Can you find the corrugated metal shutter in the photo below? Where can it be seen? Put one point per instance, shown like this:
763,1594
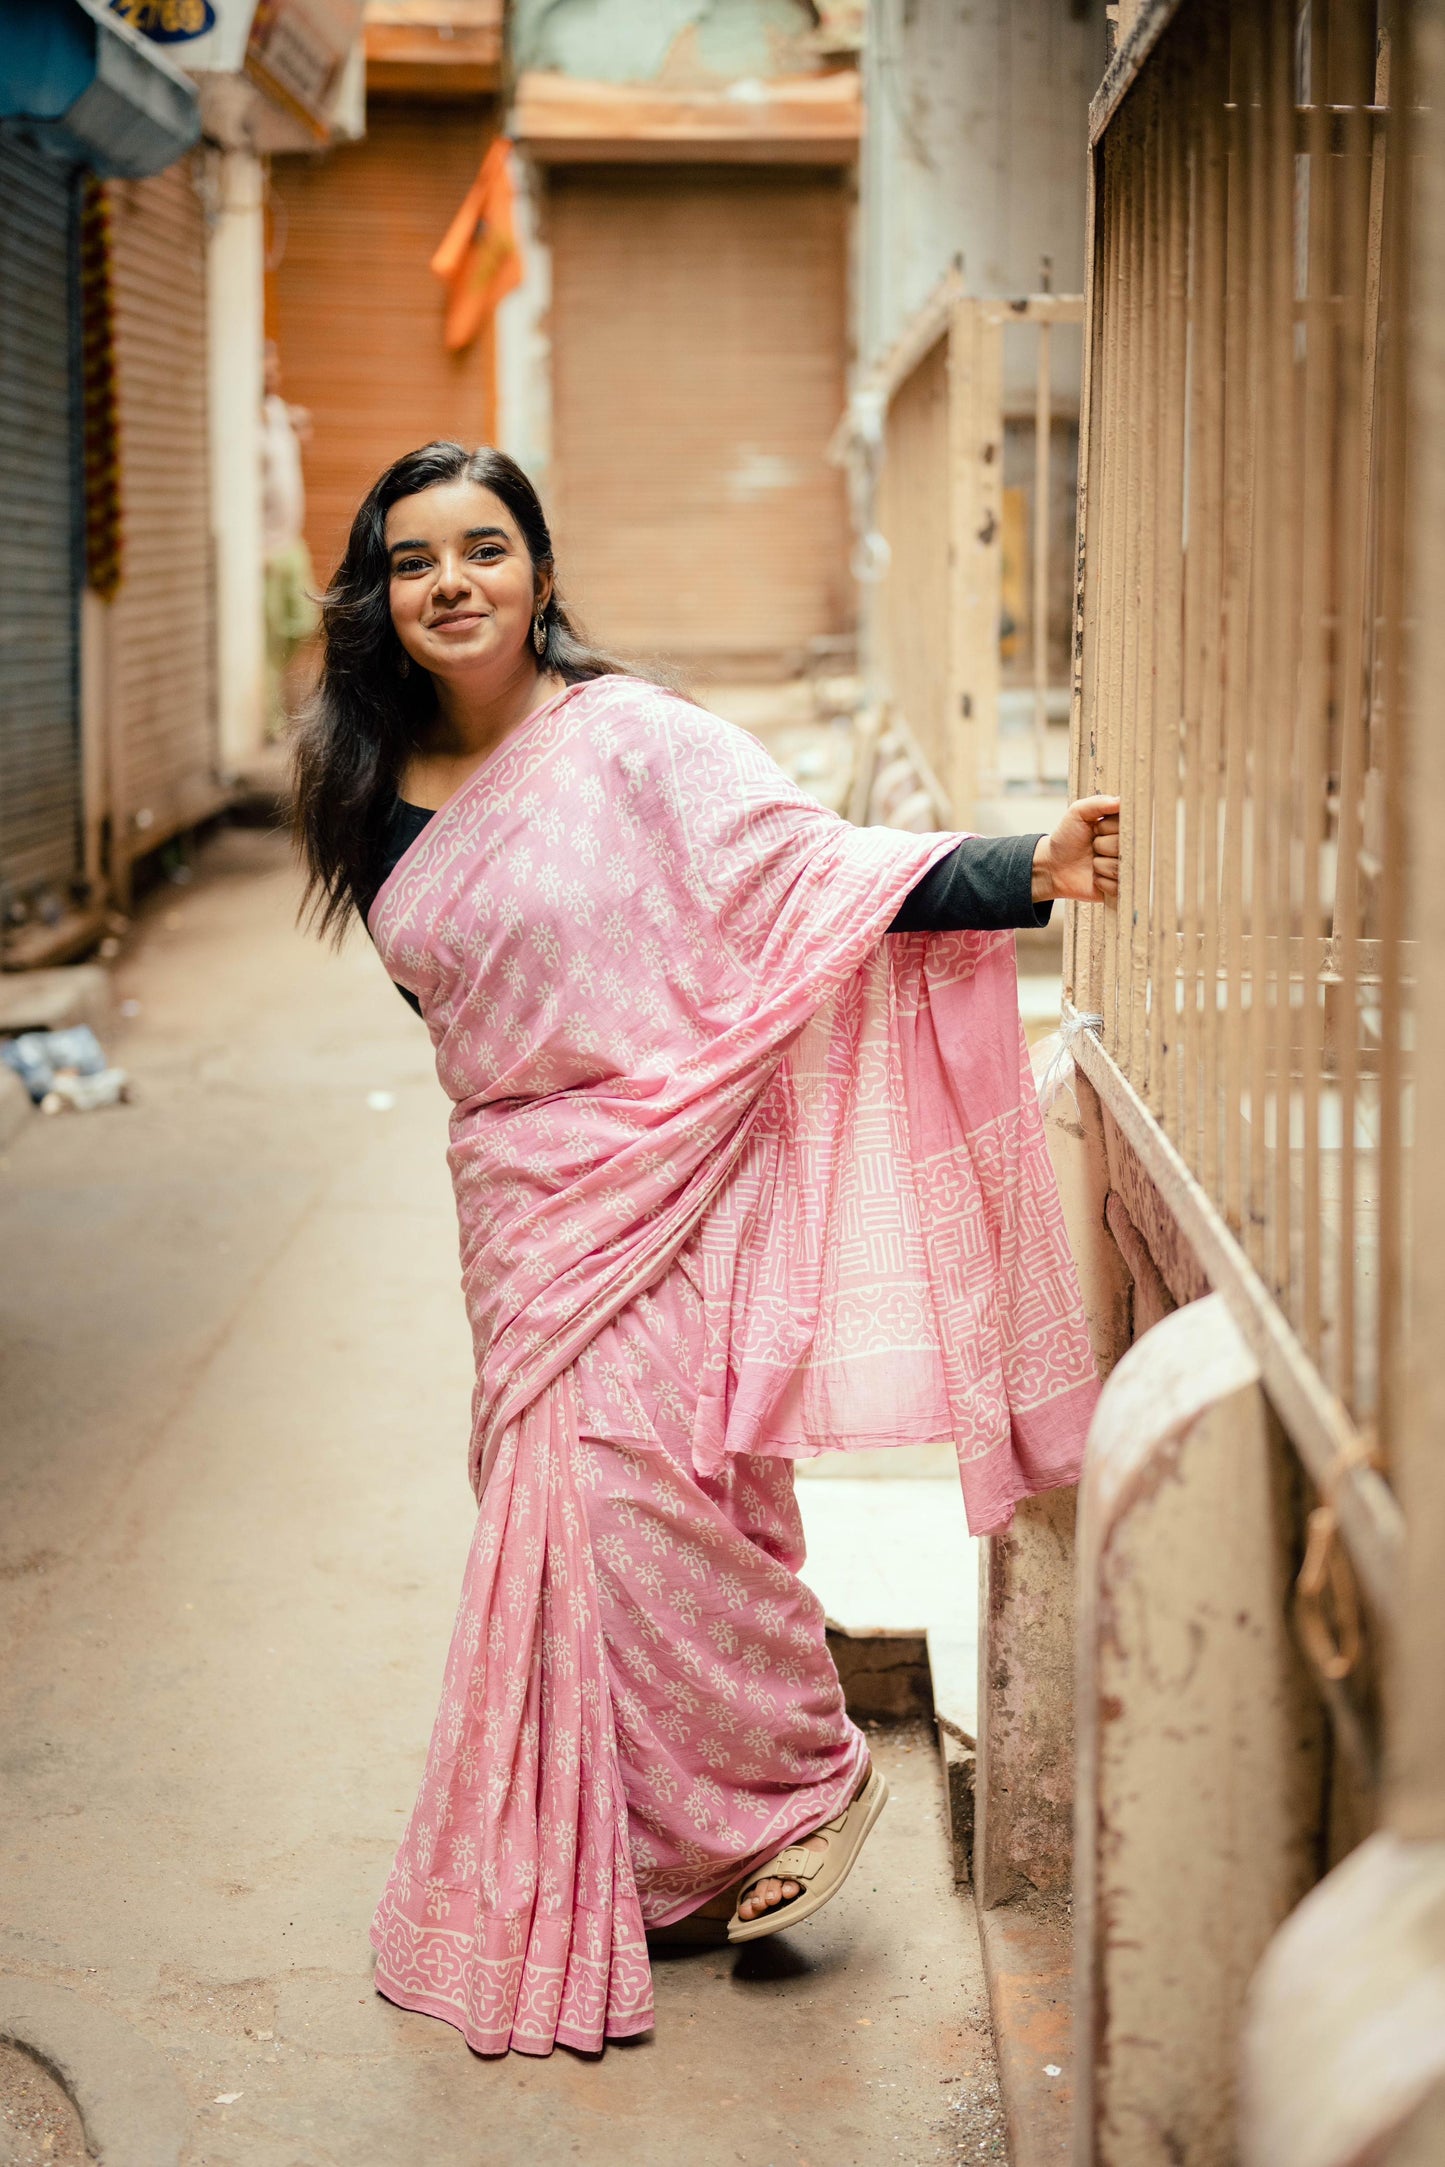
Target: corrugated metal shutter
163,708
699,342
39,525
357,313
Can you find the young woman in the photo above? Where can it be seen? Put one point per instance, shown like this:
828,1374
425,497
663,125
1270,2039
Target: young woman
747,1165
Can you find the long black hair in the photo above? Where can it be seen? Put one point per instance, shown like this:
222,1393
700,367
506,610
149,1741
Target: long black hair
368,713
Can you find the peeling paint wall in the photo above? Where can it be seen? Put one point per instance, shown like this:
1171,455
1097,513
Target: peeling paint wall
975,147
677,43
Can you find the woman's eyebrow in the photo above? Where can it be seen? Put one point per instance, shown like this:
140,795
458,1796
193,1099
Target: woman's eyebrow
473,534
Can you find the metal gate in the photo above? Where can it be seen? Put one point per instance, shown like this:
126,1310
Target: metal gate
39,530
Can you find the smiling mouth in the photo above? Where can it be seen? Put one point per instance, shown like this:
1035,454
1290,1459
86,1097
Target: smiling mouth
457,617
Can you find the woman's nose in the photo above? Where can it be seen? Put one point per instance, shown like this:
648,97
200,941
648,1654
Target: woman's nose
451,582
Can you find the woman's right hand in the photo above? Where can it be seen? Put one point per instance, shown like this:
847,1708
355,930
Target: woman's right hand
1079,862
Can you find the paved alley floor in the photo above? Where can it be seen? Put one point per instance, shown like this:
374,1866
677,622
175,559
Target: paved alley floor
235,1405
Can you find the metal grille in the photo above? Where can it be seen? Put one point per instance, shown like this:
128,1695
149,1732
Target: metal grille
972,426
1240,677
39,556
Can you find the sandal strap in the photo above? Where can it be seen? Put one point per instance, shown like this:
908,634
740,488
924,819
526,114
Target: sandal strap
797,1863
794,1864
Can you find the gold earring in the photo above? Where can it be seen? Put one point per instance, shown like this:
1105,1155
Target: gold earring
539,633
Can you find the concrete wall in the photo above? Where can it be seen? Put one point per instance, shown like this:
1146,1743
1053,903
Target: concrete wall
975,147
675,42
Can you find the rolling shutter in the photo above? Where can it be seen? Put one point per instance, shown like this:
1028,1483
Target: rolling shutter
698,349
163,710
39,526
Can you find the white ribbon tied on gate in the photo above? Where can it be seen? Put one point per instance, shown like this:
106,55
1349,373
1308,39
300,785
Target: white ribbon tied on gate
1058,1077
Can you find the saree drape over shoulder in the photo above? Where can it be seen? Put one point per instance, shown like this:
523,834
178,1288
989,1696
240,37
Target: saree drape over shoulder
738,1181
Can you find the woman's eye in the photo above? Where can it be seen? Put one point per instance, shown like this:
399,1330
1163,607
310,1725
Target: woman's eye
487,553
410,564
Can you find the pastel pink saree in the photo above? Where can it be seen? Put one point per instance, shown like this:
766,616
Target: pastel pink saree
738,1181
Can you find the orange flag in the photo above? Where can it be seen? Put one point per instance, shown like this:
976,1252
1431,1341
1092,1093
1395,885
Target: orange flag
479,261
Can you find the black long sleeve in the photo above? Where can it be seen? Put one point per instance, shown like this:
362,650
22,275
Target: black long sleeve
984,886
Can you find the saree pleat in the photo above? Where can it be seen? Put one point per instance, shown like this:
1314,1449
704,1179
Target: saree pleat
511,1910
639,1703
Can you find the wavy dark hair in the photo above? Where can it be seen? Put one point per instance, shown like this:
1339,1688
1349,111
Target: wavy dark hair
367,714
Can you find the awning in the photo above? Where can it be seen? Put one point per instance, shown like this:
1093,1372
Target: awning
78,81
805,120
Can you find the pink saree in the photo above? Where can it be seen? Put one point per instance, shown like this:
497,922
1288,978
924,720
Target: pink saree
738,1181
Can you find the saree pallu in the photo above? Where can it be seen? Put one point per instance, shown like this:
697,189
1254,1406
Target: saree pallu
738,1181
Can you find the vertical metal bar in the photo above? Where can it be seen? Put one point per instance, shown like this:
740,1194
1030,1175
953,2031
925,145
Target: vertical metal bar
1353,176
1261,633
1207,554
1170,970
1043,445
1144,989
1191,775
1369,1251
1139,687
1081,947
1125,709
1238,500
1316,521
1281,613
1399,854
1104,562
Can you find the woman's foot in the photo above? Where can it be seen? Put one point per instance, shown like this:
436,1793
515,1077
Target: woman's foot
767,1894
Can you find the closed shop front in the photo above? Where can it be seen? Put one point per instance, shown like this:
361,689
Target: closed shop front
699,339
356,312
163,759
40,534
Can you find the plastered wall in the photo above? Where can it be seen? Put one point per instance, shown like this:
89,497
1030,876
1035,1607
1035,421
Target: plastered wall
976,147
672,42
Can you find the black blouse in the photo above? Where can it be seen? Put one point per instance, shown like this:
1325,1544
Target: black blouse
985,885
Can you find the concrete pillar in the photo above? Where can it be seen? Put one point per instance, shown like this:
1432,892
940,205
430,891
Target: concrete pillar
1024,1813
1025,1781
1024,1827
236,307
1199,1741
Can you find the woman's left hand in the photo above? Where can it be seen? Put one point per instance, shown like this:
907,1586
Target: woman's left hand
1079,862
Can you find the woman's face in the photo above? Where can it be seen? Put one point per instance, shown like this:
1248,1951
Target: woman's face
463,591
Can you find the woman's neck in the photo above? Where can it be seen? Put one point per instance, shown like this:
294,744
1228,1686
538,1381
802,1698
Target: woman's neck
471,720
469,725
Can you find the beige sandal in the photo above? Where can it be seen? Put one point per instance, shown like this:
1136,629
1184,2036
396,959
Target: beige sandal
820,1873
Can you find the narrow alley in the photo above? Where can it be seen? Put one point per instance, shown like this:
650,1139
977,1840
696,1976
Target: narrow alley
237,1380
848,590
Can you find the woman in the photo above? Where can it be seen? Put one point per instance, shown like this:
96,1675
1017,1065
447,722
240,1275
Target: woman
738,1180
